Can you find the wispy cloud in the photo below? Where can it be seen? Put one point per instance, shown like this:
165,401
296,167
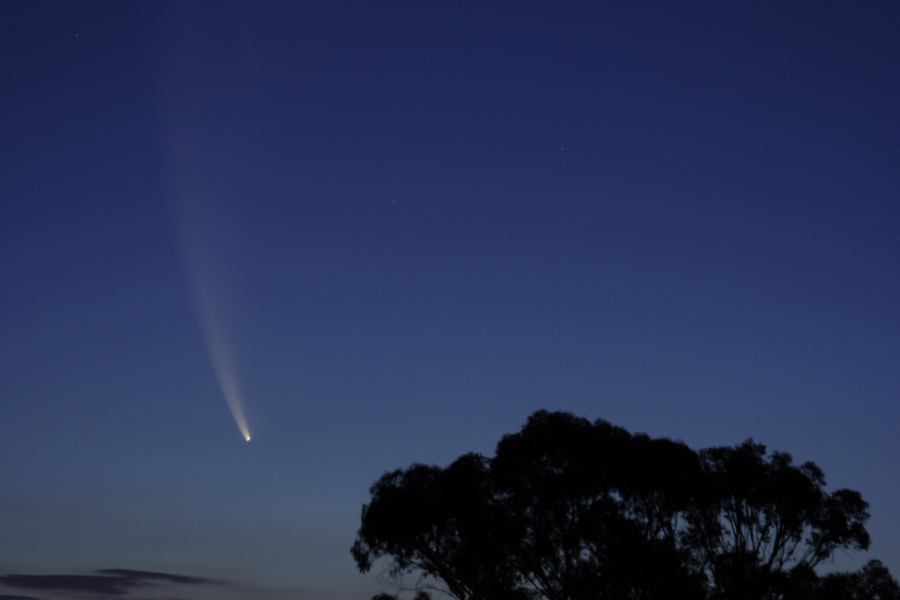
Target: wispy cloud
149,576
103,582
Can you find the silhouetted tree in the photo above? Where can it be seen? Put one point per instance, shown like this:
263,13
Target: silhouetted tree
872,582
592,505
760,516
441,523
568,509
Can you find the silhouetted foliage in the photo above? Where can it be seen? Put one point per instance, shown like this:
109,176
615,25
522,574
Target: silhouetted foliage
872,582
568,509
760,516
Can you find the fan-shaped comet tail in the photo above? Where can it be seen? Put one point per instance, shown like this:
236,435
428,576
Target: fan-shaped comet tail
220,356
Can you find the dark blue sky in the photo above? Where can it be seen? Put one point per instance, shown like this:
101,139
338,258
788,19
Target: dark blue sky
419,222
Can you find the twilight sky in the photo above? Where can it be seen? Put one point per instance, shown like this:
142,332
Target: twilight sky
406,226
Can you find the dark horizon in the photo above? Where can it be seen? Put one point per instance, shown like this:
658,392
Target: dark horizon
372,235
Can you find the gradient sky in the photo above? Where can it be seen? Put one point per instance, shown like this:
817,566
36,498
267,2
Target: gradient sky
415,224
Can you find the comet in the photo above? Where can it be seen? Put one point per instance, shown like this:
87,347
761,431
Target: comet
220,354
203,204
207,272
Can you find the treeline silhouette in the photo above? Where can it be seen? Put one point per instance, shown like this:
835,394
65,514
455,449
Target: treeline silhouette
568,509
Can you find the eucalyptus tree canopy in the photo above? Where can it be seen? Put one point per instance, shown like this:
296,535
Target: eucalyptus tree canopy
569,509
